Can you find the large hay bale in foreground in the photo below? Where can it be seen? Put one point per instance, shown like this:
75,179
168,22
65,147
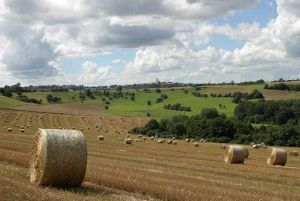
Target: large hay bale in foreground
58,158
277,157
235,154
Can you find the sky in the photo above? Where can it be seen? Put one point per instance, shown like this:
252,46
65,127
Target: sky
108,42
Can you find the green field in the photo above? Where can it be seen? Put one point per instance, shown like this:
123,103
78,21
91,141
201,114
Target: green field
8,103
139,107
67,97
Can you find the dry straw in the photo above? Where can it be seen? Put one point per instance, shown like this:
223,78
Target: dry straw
235,154
58,158
294,153
277,157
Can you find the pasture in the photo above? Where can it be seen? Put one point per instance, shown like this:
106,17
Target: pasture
144,170
139,106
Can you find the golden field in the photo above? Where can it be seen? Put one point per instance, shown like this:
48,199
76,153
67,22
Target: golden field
141,171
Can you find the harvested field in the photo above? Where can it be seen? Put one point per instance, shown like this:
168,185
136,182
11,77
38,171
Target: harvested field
68,108
157,171
268,94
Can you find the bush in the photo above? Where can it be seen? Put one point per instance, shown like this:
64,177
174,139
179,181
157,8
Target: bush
178,107
209,113
53,99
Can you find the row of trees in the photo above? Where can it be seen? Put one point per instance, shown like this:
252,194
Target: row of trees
29,100
269,112
283,86
239,96
216,127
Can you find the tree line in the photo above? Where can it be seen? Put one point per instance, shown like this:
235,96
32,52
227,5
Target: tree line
283,86
211,125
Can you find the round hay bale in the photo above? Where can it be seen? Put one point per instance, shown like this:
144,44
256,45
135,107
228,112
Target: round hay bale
22,130
175,142
170,142
128,141
223,146
128,135
256,146
58,158
161,141
294,153
277,157
234,154
196,144
105,130
152,137
100,137
9,129
173,138
144,138
187,140
246,153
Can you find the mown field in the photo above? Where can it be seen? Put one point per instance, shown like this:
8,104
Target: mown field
142,171
139,107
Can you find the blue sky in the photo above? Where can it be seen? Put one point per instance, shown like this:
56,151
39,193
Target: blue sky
132,41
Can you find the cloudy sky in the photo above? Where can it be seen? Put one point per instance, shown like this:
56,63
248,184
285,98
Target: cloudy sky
106,42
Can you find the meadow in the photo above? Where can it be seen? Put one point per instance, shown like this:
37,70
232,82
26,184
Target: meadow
139,107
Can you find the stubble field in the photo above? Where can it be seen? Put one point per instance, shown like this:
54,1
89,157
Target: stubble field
142,171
